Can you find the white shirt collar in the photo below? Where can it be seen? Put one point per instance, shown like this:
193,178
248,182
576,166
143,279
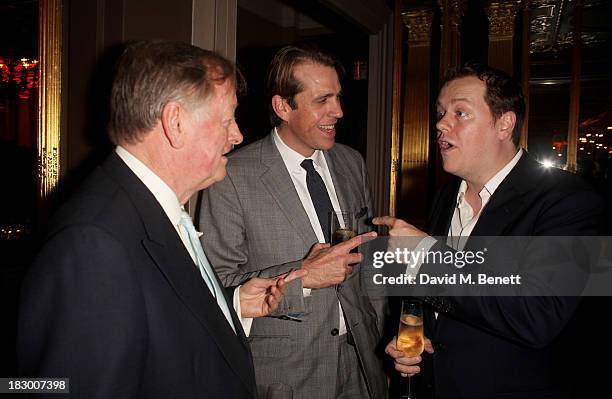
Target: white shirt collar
293,159
489,188
499,177
160,190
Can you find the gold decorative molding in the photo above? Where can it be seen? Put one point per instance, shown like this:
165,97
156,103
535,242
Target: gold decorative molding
418,22
501,15
395,165
450,46
393,184
396,131
413,192
455,9
525,71
49,99
573,123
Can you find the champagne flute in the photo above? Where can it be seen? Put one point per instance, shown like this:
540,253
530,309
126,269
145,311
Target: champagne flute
410,338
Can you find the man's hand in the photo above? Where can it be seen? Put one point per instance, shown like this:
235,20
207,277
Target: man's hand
402,235
328,266
398,227
406,365
261,296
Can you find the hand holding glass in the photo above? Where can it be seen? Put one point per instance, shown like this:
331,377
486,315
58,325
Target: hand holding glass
343,226
410,339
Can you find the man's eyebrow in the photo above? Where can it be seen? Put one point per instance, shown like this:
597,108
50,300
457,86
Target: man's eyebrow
324,96
455,100
458,99
327,95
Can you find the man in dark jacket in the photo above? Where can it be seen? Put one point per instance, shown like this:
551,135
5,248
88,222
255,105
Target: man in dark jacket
494,346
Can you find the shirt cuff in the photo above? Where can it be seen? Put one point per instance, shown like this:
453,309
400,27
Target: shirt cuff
246,322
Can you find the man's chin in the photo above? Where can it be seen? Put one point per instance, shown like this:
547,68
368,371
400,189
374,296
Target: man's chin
327,144
218,176
448,167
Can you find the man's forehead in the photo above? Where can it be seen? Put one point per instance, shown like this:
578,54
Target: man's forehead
467,88
309,74
309,65
221,98
227,89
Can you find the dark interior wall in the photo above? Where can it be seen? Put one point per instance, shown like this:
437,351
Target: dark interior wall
255,30
92,44
163,19
256,41
81,47
474,33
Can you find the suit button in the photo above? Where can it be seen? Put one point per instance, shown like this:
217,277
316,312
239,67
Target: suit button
438,346
334,331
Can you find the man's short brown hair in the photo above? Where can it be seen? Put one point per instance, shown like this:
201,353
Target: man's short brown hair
281,73
150,74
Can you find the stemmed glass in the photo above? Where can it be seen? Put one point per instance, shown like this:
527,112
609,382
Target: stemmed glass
410,335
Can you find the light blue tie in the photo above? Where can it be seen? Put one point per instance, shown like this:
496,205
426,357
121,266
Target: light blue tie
197,252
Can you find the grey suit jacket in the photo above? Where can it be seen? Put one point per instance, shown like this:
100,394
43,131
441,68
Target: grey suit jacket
254,225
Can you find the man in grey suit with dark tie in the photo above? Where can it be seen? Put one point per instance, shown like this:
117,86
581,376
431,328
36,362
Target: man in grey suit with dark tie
268,217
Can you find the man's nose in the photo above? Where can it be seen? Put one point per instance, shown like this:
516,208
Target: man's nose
235,135
336,111
442,126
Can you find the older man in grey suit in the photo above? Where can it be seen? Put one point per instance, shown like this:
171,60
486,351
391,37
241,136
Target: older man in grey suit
268,217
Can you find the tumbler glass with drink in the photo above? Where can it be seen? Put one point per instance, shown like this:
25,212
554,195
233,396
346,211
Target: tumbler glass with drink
343,226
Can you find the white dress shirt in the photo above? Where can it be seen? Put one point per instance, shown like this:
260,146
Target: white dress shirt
293,160
172,208
464,219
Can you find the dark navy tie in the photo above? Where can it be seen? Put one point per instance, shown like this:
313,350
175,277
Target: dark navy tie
319,196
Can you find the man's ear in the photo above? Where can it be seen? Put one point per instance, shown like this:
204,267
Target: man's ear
505,125
171,123
281,108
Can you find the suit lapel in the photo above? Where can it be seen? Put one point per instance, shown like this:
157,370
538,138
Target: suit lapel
171,257
275,178
501,210
442,211
341,178
191,289
439,223
498,215
507,201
